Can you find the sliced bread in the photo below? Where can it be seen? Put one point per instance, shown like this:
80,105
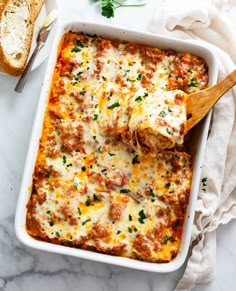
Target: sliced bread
2,3
36,7
16,31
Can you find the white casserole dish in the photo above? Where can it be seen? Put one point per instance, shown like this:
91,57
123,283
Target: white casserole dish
201,133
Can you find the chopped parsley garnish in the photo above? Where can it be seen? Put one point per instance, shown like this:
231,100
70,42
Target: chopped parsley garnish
162,114
75,50
167,185
95,116
138,99
82,92
96,198
192,83
69,165
94,137
152,193
130,230
135,160
130,217
84,222
118,231
64,159
51,223
79,211
48,211
167,238
125,190
111,154
83,169
75,185
139,77
169,110
169,131
142,216
57,234
116,104
130,80
104,79
176,224
80,44
88,202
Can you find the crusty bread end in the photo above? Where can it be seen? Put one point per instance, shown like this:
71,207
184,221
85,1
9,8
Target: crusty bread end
16,32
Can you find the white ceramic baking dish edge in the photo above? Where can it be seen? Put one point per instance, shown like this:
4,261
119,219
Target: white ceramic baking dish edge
148,39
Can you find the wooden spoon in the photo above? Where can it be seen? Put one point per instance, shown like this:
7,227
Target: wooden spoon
200,103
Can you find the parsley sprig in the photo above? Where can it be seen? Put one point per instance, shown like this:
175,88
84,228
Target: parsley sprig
108,7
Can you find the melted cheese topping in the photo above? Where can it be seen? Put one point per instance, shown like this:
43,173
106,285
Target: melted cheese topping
93,187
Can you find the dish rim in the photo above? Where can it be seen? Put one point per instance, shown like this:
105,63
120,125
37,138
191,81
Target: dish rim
126,34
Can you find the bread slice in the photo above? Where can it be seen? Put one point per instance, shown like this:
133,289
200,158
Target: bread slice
2,3
16,32
36,7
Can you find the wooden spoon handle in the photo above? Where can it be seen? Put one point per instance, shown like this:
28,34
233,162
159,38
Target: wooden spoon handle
200,103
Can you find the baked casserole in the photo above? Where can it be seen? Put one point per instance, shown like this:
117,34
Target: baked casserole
113,173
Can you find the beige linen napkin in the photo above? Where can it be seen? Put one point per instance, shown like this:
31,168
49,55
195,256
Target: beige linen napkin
207,22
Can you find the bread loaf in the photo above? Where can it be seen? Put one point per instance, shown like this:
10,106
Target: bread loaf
37,6
2,3
16,31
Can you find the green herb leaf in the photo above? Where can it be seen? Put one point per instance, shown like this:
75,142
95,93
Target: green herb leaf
142,216
116,104
176,224
96,198
95,116
84,222
130,230
107,8
167,185
167,238
152,192
75,185
139,77
192,83
75,50
162,114
169,131
88,202
64,159
125,190
138,99
135,160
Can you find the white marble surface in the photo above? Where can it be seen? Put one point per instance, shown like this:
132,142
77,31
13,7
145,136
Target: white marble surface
25,269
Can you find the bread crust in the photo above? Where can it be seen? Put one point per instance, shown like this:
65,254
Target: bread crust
8,65
36,7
